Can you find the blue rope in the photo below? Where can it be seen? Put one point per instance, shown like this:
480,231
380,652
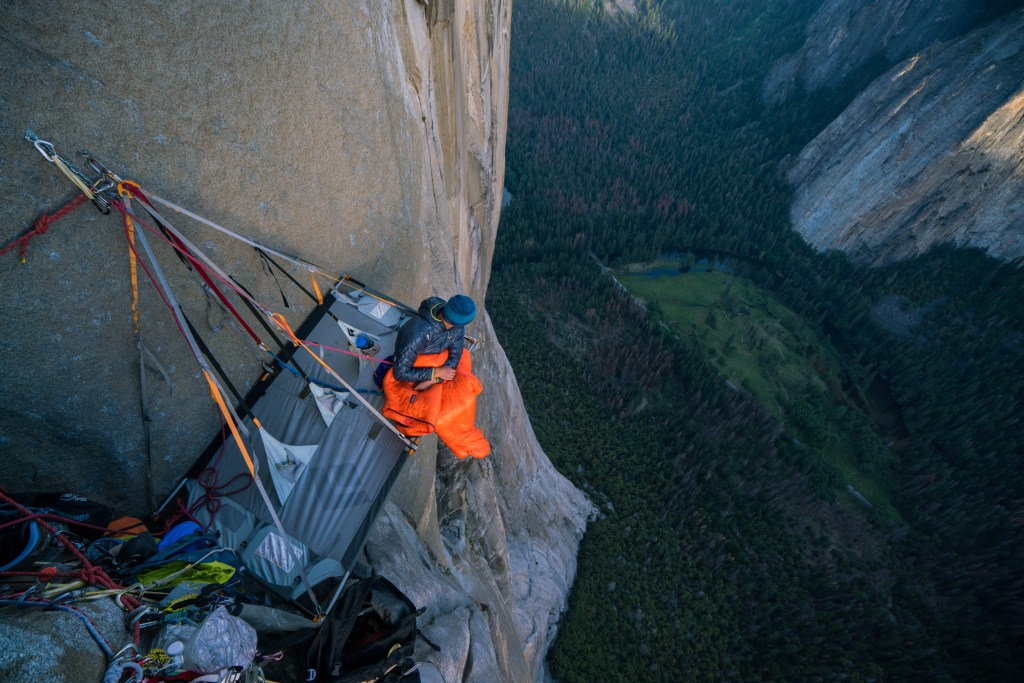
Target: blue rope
85,620
116,670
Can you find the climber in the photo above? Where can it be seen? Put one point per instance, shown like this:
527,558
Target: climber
431,386
441,326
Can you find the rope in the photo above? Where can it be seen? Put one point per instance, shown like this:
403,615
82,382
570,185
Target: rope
90,574
64,608
67,520
117,668
212,489
350,353
43,224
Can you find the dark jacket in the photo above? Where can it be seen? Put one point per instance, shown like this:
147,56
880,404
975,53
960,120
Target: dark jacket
426,334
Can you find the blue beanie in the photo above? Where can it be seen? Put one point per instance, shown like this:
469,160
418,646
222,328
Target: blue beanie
460,310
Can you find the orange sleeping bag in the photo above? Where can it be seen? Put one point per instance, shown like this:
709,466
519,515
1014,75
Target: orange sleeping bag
447,408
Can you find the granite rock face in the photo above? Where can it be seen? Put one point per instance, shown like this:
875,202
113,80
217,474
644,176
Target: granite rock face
497,550
367,137
932,152
844,34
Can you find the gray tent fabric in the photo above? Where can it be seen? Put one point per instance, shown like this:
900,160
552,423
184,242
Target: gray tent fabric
339,493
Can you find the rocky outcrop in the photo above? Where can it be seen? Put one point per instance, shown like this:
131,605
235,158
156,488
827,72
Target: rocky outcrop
365,136
504,557
844,34
932,152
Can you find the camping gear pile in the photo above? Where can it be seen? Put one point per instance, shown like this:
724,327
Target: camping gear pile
263,535
193,612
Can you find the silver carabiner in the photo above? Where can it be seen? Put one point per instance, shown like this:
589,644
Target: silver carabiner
100,168
122,654
45,148
143,616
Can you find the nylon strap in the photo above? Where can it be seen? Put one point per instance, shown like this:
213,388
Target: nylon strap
260,315
219,400
172,302
129,227
316,288
252,243
346,280
283,324
66,170
184,244
219,368
266,258
311,267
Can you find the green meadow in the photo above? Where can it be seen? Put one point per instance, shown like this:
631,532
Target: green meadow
765,349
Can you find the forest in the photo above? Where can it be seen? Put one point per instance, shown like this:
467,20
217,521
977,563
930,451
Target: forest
728,548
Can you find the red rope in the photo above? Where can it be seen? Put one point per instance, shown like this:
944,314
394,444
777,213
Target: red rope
67,520
44,575
43,224
88,573
192,260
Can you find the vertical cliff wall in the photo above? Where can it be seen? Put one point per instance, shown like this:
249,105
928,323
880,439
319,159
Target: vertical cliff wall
367,137
843,35
931,152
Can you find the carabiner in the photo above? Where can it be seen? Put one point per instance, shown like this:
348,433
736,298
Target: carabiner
122,654
45,148
144,617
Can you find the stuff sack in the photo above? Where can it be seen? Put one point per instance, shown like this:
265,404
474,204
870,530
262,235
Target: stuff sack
78,508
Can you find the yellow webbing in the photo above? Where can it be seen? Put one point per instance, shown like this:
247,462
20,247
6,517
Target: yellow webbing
127,197
86,190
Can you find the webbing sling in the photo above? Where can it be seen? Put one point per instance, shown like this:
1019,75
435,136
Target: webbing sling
252,243
144,353
185,249
260,316
219,368
276,317
218,396
265,258
302,263
172,302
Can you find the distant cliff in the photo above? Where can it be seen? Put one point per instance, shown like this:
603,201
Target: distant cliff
365,136
843,35
931,152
